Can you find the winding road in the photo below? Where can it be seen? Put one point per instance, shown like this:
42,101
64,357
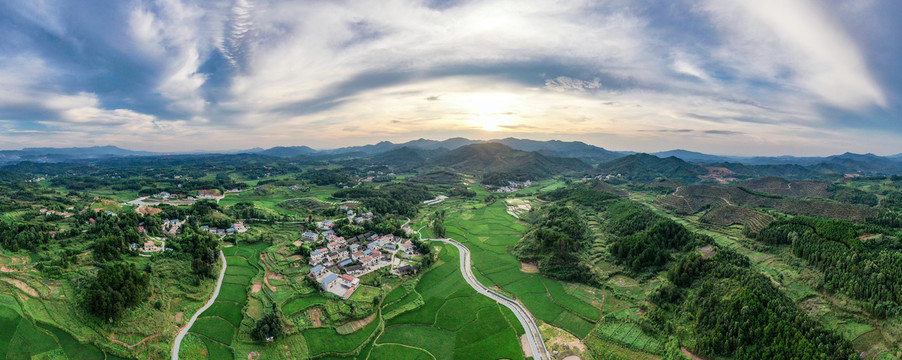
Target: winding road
529,324
181,335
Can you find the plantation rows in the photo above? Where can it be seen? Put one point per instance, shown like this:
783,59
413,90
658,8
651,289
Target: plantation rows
629,334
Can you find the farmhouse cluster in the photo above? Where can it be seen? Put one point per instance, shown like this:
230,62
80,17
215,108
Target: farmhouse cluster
514,186
353,257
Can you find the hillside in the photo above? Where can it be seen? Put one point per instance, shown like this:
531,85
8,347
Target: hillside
647,168
288,151
482,159
783,187
694,198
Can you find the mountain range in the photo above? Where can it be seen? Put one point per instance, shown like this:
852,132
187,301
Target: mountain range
415,151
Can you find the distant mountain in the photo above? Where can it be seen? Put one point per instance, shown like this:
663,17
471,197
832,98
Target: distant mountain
505,163
646,168
53,155
553,148
691,156
867,164
288,151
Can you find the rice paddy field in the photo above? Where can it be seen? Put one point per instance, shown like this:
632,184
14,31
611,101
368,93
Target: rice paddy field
490,232
453,321
217,327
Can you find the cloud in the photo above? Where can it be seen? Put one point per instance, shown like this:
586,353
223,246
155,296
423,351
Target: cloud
775,75
799,41
563,83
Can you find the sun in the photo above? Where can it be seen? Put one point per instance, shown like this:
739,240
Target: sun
491,122
491,112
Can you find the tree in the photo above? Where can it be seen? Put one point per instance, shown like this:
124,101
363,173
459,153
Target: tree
268,328
116,288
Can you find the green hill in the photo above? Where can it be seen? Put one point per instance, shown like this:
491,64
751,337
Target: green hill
501,161
646,168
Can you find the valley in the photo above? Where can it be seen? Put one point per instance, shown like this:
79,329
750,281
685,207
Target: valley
331,257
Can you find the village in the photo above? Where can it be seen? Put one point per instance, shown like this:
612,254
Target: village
354,257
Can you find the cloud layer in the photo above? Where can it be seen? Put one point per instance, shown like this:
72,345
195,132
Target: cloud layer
751,77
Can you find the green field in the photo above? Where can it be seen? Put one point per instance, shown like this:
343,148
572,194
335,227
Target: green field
489,232
454,321
21,338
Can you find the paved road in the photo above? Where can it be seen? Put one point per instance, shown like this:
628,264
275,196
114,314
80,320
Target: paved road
181,335
529,324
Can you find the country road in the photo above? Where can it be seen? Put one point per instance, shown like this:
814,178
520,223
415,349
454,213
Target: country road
181,335
529,324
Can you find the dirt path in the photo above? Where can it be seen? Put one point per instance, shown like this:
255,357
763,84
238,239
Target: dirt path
132,346
686,352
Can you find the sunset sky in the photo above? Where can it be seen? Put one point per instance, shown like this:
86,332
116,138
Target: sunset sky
753,77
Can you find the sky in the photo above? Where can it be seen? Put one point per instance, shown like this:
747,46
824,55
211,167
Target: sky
733,77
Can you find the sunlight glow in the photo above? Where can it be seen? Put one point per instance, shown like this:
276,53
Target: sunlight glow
491,112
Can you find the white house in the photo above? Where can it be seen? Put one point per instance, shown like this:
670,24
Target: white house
309,236
317,256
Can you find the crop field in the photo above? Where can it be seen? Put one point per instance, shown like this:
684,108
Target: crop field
20,338
630,335
322,341
490,232
454,321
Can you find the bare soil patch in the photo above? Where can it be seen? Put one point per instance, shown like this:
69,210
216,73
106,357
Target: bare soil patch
316,316
272,276
21,285
148,210
517,207
298,243
179,317
257,287
353,326
529,268
5,269
524,343
563,342
707,251
253,355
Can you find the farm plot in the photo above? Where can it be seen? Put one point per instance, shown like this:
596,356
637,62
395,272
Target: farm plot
630,335
321,341
295,305
454,322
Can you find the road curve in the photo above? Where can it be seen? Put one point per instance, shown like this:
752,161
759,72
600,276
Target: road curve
181,335
529,324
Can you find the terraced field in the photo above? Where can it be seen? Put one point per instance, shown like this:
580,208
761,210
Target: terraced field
218,326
